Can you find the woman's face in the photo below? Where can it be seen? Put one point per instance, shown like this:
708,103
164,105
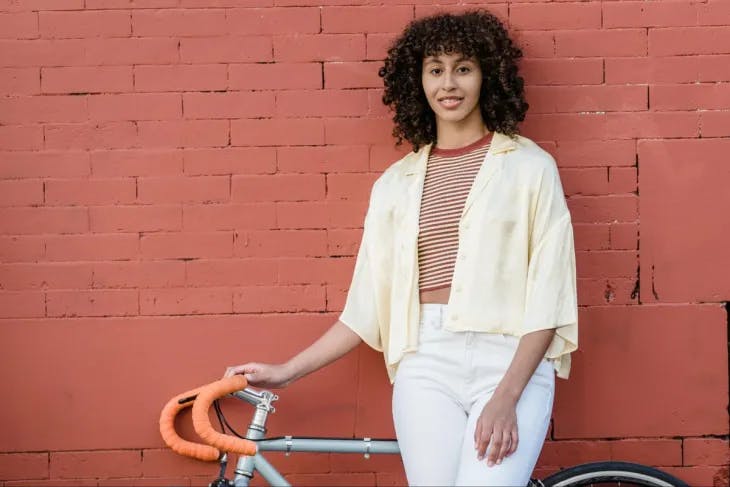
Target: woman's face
452,83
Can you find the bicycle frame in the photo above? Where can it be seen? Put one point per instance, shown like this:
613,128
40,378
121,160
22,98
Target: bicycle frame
247,465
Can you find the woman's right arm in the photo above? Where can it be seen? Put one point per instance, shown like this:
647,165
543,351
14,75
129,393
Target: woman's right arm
333,344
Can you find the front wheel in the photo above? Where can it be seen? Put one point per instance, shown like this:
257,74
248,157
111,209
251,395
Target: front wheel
612,474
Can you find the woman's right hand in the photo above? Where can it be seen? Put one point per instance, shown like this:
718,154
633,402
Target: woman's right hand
271,376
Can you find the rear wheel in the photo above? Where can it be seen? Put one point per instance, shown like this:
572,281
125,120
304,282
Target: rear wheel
613,474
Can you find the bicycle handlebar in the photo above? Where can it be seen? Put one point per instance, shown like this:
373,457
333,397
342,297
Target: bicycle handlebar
201,400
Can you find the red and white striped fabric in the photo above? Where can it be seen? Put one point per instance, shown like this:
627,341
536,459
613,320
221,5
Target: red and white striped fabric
449,178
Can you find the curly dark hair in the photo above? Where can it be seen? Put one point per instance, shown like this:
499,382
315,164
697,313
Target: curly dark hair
477,34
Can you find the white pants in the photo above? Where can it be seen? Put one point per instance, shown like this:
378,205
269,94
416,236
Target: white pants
439,393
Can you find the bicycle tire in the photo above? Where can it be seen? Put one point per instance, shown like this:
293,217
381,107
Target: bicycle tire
612,473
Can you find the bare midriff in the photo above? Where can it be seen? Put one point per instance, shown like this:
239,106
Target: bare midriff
438,296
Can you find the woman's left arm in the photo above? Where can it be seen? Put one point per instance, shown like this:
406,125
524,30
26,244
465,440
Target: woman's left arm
497,424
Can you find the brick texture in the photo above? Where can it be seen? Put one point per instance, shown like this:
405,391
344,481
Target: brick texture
183,185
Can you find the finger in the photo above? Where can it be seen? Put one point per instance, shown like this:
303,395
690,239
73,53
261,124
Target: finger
495,445
506,445
514,439
484,440
477,435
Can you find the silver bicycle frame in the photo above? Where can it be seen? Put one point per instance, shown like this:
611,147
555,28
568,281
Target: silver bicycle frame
247,465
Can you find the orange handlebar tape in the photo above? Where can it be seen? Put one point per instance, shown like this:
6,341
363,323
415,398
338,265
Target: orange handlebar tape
201,422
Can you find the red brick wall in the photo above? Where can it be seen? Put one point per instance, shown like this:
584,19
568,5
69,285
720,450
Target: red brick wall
183,184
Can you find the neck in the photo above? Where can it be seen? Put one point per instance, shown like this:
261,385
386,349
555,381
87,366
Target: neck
453,135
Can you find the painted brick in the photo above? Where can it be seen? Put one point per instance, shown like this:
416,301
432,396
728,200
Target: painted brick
231,160
22,248
138,274
600,43
265,21
21,81
53,483
275,76
228,217
32,109
115,246
604,209
281,243
77,79
613,291
135,218
237,272
377,45
713,13
228,105
17,164
643,14
274,132
90,191
187,77
143,162
548,16
23,192
264,299
357,131
715,476
596,153
24,466
16,137
111,463
102,135
675,41
184,134
129,51
226,49
45,275
279,187
184,301
352,75
624,236
34,53
705,451
52,220
605,98
184,189
98,302
19,25
60,25
352,186
188,245
343,242
178,22
344,19
328,103
670,69
137,106
591,236
321,47
612,263
580,71
22,304
334,159
690,97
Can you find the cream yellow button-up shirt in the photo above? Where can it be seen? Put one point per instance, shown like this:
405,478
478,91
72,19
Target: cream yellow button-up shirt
515,268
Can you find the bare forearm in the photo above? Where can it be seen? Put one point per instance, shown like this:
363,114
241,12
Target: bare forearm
530,351
333,344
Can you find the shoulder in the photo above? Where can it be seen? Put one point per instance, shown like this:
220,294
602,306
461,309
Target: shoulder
391,181
529,162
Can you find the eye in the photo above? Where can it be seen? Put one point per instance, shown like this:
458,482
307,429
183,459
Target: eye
463,69
435,71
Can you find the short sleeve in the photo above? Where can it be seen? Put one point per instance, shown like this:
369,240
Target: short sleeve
360,312
551,293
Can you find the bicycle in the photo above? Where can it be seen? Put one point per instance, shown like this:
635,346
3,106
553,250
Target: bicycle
251,445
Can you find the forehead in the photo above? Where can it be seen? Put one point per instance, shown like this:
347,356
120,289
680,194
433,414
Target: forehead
447,58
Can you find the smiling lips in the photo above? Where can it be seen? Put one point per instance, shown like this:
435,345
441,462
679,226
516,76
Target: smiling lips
450,102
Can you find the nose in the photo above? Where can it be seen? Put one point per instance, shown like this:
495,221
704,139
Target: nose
449,82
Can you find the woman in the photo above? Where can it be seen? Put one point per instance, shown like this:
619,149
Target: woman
465,277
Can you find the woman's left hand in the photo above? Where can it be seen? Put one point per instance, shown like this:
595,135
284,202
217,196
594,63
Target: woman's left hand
496,430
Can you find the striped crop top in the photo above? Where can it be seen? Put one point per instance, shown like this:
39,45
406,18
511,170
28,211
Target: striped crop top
449,177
